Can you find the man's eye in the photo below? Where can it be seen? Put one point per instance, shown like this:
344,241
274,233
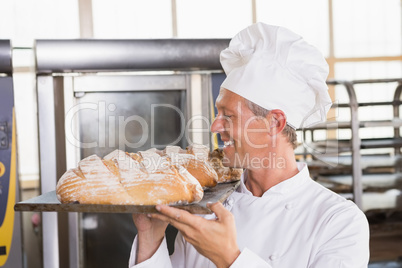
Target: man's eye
227,116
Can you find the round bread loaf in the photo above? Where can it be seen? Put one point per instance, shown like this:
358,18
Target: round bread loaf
146,178
195,160
225,174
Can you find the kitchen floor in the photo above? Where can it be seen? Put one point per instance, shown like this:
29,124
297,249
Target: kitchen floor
385,265
385,238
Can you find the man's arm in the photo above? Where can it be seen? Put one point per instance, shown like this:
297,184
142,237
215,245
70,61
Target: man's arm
151,233
214,239
344,242
159,259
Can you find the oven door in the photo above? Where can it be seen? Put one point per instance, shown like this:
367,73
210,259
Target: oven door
131,113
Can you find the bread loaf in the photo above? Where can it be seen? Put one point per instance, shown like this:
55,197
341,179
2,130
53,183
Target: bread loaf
146,178
195,160
225,174
151,177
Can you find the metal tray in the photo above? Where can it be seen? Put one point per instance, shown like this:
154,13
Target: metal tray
49,202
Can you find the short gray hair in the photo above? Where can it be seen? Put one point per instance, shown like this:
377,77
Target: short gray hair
288,131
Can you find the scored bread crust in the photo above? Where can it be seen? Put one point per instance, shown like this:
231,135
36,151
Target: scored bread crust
91,183
150,177
124,179
195,160
154,180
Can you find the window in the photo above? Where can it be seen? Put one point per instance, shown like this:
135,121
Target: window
24,20
132,19
367,28
212,19
309,18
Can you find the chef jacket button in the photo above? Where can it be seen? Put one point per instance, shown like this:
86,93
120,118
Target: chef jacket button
273,257
228,203
289,206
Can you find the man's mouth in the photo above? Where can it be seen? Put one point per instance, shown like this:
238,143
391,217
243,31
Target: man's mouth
228,143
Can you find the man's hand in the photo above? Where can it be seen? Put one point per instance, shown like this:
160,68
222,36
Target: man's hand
150,235
215,239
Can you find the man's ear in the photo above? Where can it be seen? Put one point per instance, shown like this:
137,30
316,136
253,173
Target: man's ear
277,121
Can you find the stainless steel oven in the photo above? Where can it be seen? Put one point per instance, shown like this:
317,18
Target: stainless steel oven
98,95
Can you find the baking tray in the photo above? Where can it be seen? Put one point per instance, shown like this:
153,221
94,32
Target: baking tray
49,202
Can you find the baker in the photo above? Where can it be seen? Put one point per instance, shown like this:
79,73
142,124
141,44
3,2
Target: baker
278,217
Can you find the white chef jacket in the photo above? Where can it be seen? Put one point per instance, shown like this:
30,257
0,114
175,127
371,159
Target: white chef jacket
296,223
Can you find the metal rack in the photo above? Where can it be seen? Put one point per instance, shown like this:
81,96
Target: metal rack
343,166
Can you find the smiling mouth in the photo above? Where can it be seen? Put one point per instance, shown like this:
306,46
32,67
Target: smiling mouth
228,143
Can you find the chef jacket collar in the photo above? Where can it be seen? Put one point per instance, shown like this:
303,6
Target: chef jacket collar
283,187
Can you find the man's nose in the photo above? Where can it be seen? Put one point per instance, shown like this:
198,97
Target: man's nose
217,126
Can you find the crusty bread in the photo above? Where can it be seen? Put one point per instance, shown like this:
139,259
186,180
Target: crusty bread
151,177
225,174
120,178
92,183
194,159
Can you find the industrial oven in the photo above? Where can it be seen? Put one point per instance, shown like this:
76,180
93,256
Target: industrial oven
98,95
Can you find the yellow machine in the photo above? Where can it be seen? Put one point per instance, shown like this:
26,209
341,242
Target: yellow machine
10,226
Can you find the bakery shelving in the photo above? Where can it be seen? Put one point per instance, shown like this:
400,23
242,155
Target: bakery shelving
359,165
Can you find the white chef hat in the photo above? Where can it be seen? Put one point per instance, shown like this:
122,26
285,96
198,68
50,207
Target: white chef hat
276,69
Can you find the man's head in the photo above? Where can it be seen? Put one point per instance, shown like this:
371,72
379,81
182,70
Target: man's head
252,139
275,83
288,131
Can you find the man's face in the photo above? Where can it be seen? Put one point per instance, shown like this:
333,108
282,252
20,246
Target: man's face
244,134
